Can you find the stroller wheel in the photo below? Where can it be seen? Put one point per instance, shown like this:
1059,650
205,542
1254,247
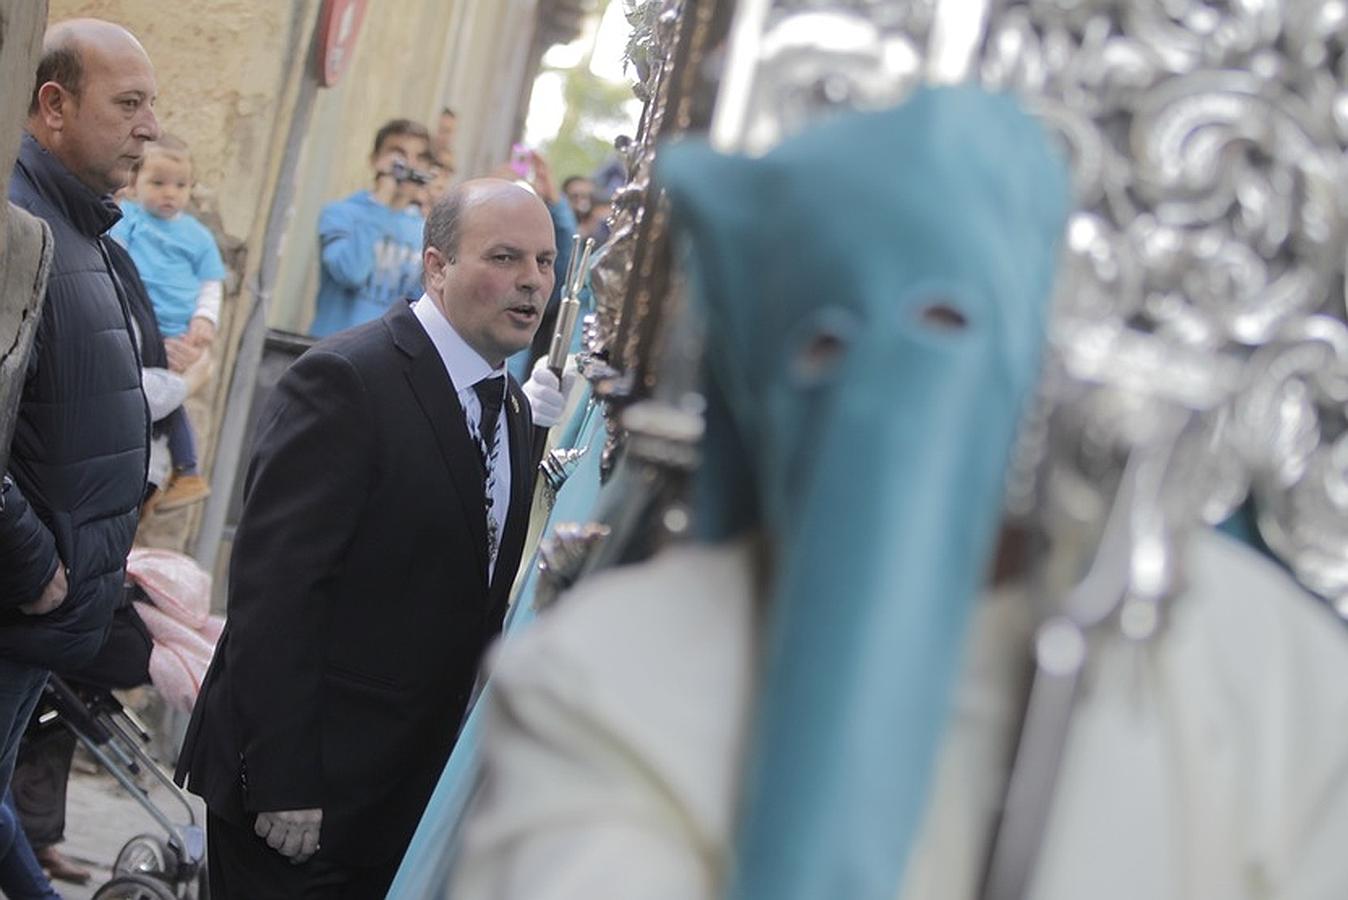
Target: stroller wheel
134,887
146,854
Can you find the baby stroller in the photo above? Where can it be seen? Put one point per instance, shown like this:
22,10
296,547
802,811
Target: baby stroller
162,634
148,867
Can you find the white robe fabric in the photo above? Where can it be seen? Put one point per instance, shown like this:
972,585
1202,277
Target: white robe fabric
1209,763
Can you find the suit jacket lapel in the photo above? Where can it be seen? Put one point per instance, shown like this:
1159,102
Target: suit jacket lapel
521,489
439,400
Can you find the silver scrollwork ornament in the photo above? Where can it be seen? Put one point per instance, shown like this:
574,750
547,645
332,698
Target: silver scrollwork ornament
1205,262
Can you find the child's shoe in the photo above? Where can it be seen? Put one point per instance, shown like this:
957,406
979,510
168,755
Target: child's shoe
183,490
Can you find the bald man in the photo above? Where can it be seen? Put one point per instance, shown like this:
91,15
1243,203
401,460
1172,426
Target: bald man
76,471
384,517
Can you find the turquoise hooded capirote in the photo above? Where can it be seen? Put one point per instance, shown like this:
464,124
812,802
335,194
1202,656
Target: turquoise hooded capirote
876,294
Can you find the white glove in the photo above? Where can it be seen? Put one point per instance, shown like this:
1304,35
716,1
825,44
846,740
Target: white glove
292,833
547,399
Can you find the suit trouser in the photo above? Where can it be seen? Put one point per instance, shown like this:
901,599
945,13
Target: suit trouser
242,867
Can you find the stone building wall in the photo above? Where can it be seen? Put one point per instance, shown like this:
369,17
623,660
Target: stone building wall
221,66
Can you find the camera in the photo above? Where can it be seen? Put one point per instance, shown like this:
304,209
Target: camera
402,172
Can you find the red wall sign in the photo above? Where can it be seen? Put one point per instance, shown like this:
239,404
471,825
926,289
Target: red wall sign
338,27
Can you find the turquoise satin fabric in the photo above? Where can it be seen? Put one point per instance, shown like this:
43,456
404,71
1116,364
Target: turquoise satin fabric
425,869
868,435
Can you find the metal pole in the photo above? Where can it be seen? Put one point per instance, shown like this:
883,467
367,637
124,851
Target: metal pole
238,405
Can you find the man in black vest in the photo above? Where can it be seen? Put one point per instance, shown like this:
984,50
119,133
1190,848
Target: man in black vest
77,465
384,517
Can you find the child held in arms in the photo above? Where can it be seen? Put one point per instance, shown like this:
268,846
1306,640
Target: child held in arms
180,264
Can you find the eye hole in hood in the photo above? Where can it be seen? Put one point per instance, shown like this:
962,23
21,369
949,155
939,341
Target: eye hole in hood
943,315
820,355
821,346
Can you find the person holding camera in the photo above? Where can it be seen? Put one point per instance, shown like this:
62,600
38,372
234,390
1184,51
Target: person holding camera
370,242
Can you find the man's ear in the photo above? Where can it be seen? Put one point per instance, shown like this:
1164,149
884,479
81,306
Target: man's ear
433,265
53,105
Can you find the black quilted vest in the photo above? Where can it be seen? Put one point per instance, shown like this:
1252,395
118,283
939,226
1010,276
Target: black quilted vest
80,448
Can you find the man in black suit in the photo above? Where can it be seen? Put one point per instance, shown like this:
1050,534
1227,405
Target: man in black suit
384,519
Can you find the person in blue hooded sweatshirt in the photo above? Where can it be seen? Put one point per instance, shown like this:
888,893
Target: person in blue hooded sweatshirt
370,242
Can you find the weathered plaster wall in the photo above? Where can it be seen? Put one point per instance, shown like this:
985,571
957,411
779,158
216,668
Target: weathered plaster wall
394,73
221,65
21,27
499,42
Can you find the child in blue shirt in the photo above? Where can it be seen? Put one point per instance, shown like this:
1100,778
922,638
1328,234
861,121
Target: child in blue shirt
179,262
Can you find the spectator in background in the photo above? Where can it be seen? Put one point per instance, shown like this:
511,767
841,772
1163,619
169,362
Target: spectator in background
442,146
611,176
608,180
71,497
370,243
590,205
180,265
596,226
442,175
579,191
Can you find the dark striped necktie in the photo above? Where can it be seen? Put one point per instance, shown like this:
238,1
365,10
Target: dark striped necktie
491,394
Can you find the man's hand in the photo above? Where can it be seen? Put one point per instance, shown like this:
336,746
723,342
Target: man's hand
182,353
53,595
201,332
547,398
293,833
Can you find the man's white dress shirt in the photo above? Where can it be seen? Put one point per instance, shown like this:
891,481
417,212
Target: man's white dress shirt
466,367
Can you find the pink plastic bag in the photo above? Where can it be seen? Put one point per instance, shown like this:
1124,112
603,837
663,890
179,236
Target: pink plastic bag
175,582
180,656
178,619
167,630
212,629
174,678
